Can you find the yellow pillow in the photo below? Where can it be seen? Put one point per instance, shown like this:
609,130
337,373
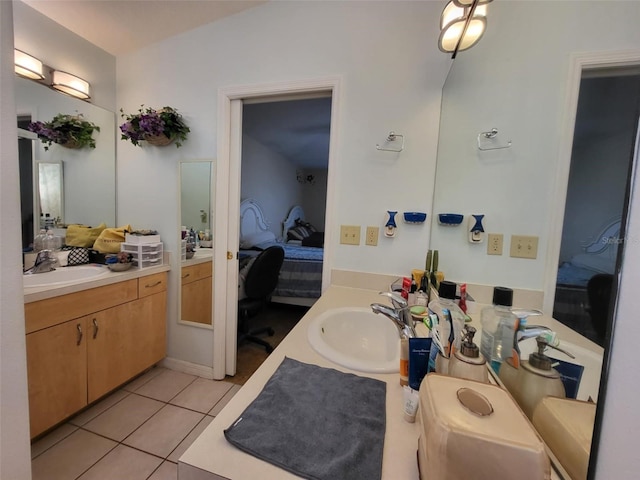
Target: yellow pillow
83,236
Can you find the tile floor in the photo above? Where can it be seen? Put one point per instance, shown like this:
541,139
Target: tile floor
137,433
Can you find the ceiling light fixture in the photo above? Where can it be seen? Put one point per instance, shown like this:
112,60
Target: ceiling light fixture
462,24
70,84
27,65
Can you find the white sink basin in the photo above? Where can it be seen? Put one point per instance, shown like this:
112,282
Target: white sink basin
64,276
356,338
592,363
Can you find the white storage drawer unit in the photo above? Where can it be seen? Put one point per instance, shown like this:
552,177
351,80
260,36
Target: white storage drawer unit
144,254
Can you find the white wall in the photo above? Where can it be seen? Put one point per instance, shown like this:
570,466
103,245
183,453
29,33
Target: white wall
392,76
515,79
270,180
62,49
15,459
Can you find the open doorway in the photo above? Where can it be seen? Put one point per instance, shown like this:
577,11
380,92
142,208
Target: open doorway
603,146
283,194
228,187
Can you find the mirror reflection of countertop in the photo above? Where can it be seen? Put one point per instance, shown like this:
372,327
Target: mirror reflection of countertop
202,255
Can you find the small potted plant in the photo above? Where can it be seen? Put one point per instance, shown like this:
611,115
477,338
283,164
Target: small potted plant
157,127
70,131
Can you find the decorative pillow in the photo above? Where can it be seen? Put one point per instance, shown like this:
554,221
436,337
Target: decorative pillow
299,232
302,223
251,241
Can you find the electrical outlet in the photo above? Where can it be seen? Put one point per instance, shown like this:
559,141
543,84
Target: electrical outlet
350,234
372,236
523,246
494,244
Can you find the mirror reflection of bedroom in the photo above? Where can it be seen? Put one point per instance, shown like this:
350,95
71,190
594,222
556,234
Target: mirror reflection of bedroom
285,152
604,138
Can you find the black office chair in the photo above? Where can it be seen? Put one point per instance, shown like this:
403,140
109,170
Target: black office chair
599,296
260,283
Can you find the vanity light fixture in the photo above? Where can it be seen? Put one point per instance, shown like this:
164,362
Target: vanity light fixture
462,24
27,66
70,84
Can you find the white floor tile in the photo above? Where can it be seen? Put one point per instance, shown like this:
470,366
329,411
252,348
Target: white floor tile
223,402
202,394
166,471
166,385
52,438
186,443
163,432
98,408
71,457
133,385
124,417
123,463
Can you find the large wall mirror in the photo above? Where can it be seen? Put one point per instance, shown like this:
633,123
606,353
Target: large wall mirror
76,186
517,81
196,260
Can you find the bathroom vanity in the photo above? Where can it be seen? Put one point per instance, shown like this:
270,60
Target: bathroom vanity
85,339
211,456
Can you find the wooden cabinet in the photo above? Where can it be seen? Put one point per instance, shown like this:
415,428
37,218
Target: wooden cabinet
72,362
197,283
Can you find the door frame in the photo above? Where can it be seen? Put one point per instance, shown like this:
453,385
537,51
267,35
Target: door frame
578,62
227,199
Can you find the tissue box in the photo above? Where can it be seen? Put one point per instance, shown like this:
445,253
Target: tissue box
475,430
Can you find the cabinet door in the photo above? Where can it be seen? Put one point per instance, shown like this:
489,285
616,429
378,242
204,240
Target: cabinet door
124,341
196,301
57,373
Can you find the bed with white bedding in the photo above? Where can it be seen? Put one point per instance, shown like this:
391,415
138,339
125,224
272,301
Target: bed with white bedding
300,281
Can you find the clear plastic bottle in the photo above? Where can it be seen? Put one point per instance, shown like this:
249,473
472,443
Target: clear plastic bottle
446,300
51,242
498,328
38,241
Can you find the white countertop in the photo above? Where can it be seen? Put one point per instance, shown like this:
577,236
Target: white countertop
202,255
212,457
33,294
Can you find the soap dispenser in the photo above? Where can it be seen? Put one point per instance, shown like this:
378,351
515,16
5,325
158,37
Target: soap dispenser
467,362
537,379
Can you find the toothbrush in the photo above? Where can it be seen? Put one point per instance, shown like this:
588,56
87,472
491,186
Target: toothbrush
450,347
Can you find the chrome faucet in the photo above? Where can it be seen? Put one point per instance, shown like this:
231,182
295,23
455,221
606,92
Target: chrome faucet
46,261
399,314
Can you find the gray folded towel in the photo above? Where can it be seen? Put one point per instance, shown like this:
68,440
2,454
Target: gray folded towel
318,423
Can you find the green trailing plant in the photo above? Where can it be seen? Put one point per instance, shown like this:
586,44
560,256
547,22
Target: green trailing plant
149,124
71,131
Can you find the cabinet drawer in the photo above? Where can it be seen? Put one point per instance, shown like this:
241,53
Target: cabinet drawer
52,311
152,284
196,272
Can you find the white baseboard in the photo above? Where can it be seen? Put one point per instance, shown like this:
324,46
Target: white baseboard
188,367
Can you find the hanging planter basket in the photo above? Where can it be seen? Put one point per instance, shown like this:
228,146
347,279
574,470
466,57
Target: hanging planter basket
159,140
71,143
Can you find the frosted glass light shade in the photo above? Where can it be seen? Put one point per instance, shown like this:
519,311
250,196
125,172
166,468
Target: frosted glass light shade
27,66
468,3
451,35
70,84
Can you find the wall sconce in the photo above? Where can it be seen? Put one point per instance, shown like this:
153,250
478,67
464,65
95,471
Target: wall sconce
462,24
27,65
70,84
305,178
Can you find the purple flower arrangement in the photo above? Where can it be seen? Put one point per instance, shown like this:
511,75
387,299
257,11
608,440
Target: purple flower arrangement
149,123
71,131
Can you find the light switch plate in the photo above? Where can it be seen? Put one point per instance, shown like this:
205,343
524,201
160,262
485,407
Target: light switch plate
350,234
524,246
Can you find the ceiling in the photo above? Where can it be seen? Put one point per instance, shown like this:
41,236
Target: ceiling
122,26
296,129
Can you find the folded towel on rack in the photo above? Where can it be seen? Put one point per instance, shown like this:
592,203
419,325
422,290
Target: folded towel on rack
315,422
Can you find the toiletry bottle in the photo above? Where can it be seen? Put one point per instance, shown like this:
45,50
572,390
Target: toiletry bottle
537,379
467,362
446,300
38,241
404,361
498,328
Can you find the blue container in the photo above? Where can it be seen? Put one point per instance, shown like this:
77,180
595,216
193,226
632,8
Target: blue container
450,219
415,217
